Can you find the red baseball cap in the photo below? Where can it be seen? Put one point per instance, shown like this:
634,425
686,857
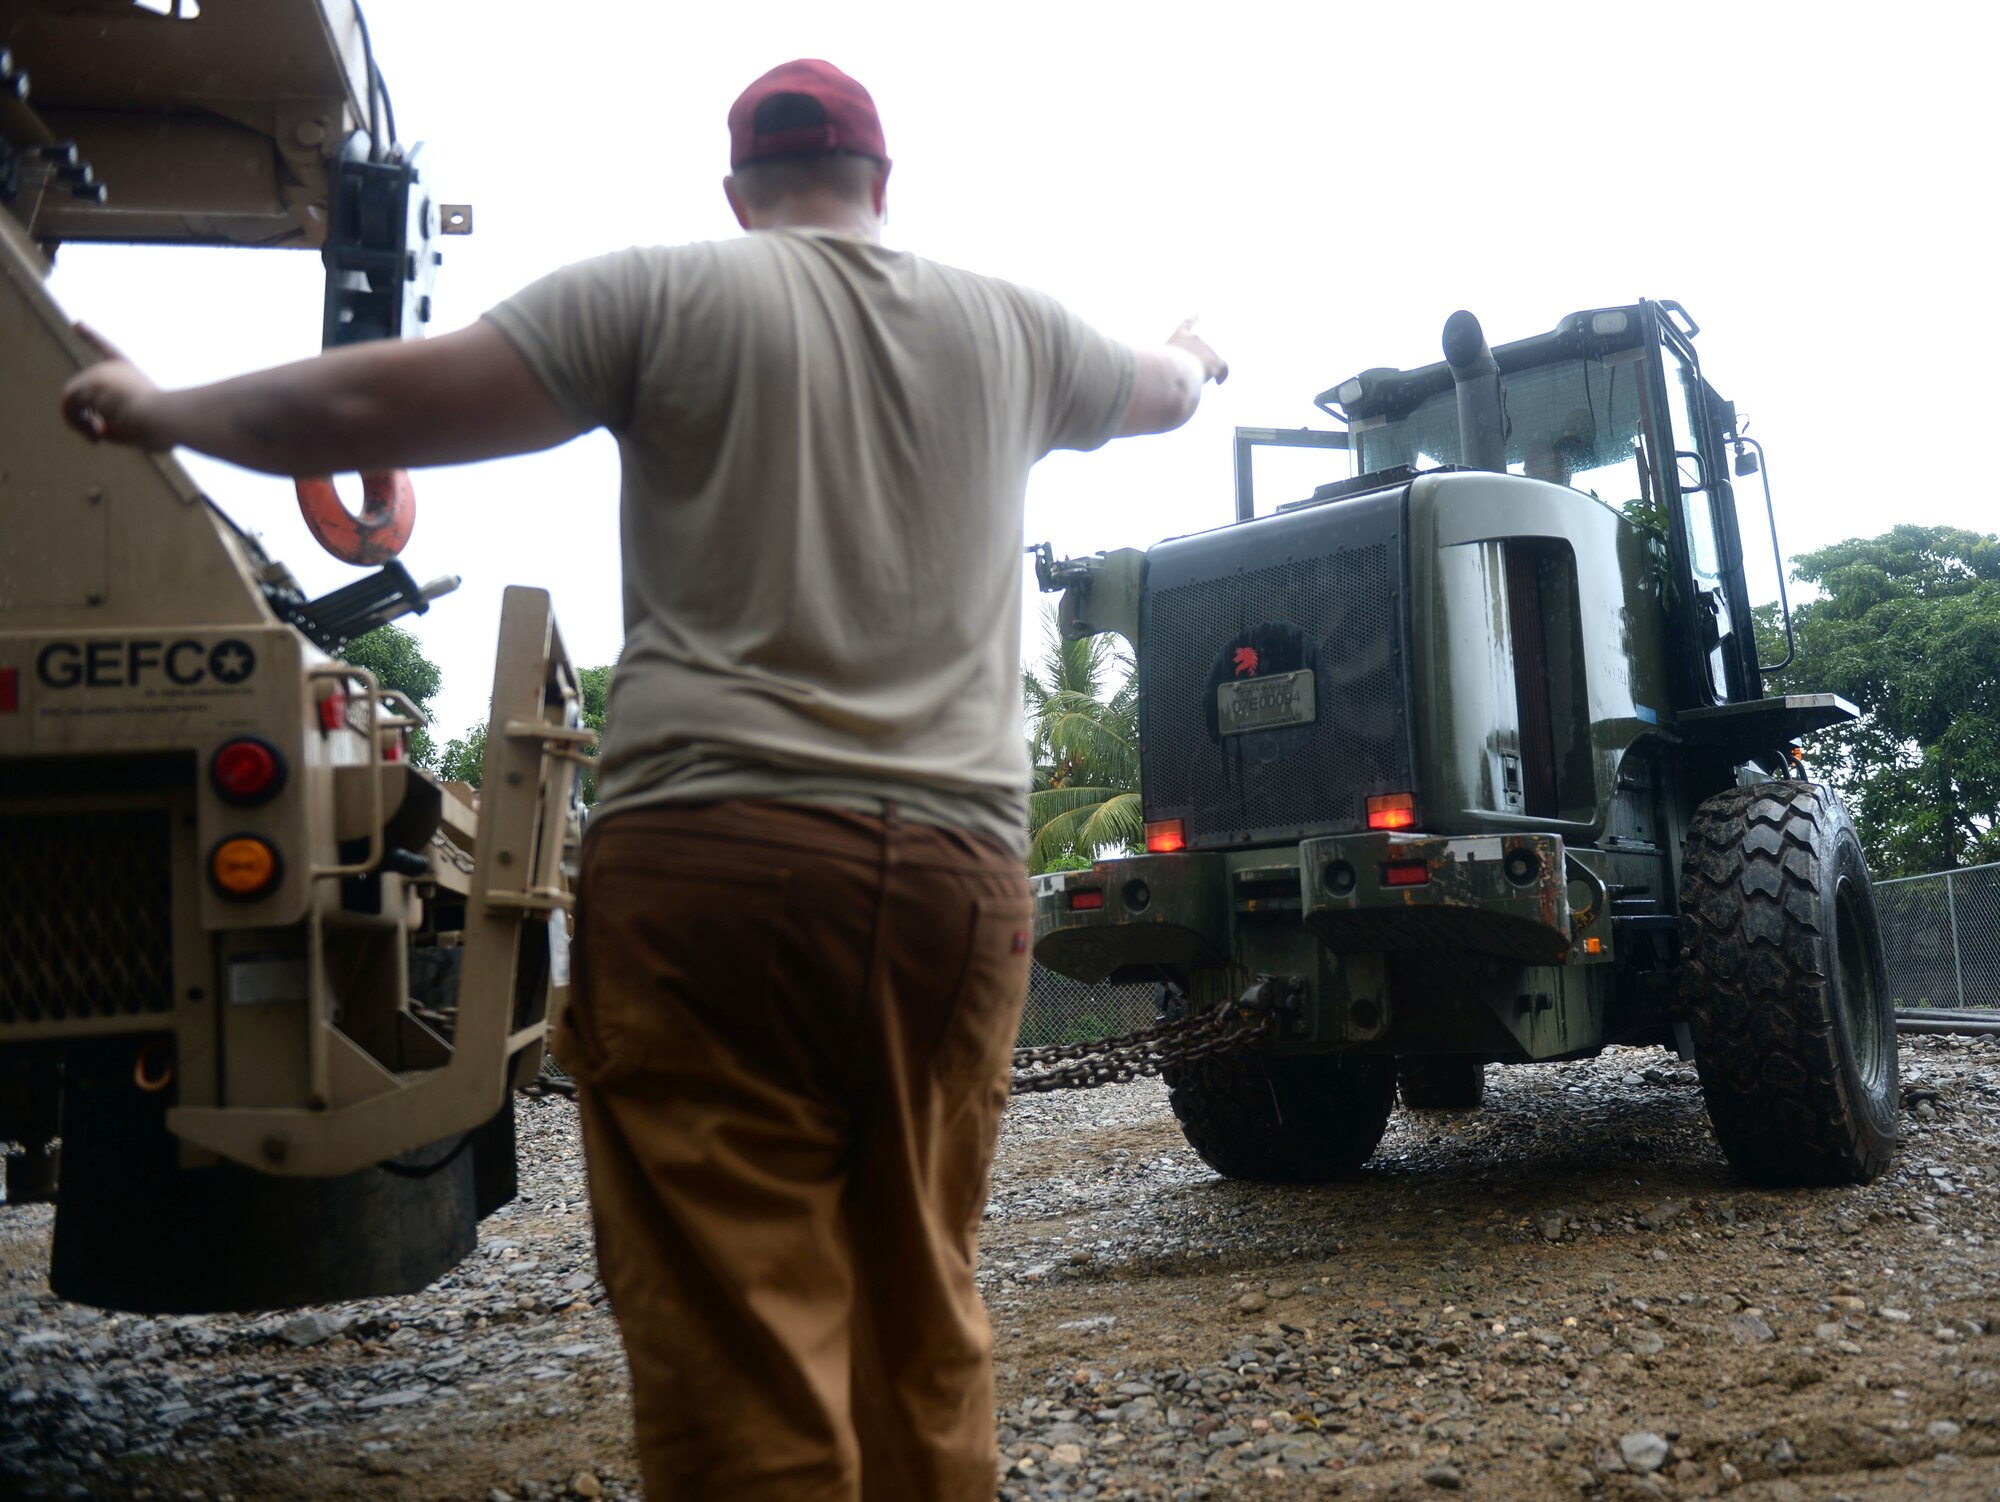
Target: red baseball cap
802,107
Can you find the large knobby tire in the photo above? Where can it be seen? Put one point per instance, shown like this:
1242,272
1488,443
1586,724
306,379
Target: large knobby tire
1785,988
1441,1081
1284,1119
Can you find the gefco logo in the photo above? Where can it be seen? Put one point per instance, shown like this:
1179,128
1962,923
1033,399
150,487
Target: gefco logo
144,663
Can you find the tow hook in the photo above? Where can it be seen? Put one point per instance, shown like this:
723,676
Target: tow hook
1284,995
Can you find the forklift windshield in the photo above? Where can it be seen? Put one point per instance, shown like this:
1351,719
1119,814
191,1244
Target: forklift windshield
1572,422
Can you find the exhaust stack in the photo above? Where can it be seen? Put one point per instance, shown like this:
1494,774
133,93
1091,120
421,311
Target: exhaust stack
1482,438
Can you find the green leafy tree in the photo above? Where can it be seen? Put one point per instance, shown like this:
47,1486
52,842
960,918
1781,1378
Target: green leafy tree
594,685
1082,703
1907,626
397,660
464,757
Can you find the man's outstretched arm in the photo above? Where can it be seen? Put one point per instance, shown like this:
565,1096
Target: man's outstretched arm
1167,389
386,404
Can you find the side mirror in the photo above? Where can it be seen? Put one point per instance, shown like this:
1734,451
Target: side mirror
1746,462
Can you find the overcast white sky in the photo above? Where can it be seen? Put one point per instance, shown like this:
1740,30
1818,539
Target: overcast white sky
1322,184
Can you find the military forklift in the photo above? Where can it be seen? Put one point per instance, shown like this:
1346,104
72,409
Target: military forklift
1465,759
266,988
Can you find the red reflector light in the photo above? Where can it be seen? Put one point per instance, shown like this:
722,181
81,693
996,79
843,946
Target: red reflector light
1405,874
333,712
1085,902
247,770
10,690
1166,837
1392,811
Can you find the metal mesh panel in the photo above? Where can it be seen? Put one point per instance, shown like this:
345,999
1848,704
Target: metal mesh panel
1317,776
1061,1010
1942,937
86,915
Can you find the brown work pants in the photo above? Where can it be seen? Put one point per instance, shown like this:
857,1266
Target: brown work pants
791,1027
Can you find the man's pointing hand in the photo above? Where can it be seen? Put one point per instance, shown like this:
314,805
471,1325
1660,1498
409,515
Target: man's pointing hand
1213,366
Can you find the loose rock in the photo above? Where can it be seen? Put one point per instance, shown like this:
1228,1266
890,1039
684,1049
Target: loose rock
1643,1452
1428,1319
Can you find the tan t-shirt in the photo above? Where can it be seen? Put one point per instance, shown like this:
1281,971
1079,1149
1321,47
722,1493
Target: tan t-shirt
825,445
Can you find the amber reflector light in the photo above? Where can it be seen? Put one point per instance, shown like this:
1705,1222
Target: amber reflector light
243,867
1392,811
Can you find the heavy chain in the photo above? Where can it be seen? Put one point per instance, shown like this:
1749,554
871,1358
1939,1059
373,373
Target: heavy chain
451,853
1130,1056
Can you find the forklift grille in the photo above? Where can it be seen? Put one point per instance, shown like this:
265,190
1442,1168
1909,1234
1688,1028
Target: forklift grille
1335,587
86,916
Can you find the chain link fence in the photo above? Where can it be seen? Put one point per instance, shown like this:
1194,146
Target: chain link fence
1942,935
1061,1010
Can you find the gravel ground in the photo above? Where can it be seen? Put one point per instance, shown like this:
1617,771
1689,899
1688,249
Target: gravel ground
1562,1295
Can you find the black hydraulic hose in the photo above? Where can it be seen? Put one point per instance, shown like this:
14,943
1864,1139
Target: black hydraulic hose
426,1170
378,91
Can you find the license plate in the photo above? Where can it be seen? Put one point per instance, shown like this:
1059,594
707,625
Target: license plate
1267,703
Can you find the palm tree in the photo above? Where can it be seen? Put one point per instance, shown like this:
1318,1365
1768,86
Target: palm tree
1082,704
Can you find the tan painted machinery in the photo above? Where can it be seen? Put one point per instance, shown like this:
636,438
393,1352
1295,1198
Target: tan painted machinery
266,988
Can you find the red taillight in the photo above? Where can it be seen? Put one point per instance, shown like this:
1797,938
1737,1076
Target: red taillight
1392,811
1166,837
1087,901
1405,874
247,770
333,711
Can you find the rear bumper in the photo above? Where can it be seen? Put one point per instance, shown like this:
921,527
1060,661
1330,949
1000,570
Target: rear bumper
1170,910
1502,895
1512,896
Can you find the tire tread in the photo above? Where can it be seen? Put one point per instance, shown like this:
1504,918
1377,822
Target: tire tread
1297,1120
1756,986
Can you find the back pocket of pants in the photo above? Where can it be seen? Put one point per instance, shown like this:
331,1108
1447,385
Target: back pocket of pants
673,968
985,1012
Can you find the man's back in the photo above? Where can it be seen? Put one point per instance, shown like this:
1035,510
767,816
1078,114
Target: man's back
825,448
797,979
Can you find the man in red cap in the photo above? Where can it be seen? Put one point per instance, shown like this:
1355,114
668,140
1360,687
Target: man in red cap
802,926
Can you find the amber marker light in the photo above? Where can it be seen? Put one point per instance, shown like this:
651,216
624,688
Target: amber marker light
1392,811
1166,837
243,867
